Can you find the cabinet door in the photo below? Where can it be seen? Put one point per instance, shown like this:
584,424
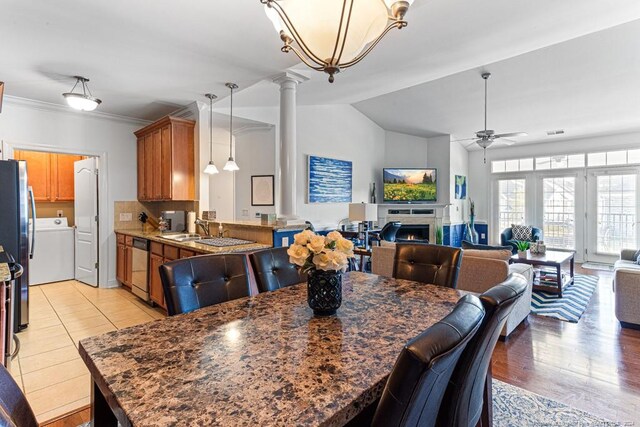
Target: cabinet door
165,164
38,173
142,195
155,285
148,166
128,272
120,262
62,177
156,189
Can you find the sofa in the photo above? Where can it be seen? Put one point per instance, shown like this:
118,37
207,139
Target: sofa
626,285
479,271
506,238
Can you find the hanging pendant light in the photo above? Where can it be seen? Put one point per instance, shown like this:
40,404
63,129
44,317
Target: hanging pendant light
81,101
331,35
211,168
231,164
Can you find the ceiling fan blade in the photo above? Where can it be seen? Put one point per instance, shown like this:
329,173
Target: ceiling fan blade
510,135
471,143
506,141
465,139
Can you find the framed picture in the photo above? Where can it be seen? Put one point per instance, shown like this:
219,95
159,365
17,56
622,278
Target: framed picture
461,187
329,180
262,190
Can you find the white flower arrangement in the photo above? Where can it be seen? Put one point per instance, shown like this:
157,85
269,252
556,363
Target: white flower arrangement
311,251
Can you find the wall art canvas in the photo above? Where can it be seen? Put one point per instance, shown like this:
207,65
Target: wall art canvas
461,187
330,180
262,190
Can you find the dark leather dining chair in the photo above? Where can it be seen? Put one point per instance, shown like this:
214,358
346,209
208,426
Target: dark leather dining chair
14,408
434,264
274,271
201,281
468,388
416,386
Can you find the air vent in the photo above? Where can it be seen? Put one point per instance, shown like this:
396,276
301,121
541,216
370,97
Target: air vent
555,132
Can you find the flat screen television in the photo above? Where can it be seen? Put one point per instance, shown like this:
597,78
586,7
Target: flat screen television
409,185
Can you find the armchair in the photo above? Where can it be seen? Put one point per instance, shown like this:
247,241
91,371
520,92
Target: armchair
506,238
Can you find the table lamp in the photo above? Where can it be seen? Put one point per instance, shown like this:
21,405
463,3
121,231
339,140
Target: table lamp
366,213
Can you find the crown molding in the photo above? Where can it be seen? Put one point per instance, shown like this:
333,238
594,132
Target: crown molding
58,108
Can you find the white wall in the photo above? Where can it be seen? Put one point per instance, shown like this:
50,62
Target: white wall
28,124
480,177
256,151
458,165
221,185
404,151
439,153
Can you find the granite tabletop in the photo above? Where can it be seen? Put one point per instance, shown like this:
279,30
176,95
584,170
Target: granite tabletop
5,273
264,360
156,236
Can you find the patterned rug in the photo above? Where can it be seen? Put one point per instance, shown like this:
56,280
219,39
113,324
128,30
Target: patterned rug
515,407
573,303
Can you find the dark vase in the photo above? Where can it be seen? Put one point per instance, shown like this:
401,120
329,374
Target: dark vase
324,291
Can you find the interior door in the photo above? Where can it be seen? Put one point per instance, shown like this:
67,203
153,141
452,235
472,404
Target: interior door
86,220
613,213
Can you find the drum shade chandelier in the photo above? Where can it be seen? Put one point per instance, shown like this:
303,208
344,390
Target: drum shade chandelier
330,35
84,101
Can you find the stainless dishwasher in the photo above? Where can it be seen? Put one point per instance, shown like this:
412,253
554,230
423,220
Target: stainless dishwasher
140,268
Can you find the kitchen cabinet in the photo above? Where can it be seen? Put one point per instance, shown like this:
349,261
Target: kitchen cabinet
124,259
50,175
166,160
156,292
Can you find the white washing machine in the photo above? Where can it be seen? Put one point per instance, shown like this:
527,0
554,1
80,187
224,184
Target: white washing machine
54,253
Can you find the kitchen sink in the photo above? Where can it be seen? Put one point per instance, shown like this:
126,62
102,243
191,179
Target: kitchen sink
221,242
182,237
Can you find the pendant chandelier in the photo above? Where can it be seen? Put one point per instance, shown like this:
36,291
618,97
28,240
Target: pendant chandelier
330,35
81,101
231,164
211,168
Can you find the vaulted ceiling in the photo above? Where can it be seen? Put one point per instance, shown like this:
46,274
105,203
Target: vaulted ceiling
556,64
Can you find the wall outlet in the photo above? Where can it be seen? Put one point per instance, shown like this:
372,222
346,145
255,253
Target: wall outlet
127,216
285,241
482,235
245,212
59,213
258,214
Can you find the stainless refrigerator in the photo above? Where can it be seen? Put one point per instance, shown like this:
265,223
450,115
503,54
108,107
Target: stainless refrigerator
16,200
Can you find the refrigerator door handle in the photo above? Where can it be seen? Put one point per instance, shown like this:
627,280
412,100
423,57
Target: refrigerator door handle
33,222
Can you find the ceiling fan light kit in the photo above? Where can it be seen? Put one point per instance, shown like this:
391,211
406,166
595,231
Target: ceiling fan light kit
84,101
360,25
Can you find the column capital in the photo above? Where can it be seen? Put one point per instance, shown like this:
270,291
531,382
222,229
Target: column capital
289,76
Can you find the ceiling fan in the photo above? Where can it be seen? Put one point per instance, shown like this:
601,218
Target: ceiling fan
485,138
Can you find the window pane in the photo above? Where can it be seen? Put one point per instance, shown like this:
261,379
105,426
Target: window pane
576,160
616,213
597,159
497,166
559,212
511,203
527,164
543,163
633,156
511,165
616,157
559,162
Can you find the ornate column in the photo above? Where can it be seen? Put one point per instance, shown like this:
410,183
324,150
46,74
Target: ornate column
287,161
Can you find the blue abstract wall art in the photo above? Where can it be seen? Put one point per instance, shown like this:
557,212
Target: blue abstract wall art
330,180
461,187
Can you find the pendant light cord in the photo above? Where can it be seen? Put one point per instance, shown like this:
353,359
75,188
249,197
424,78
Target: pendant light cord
211,128
485,105
231,126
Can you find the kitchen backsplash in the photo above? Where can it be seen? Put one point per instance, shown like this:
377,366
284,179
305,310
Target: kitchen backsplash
126,212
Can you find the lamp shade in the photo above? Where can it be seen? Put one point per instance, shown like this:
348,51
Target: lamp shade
363,212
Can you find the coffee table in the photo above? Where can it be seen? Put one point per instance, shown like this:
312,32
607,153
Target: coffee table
553,259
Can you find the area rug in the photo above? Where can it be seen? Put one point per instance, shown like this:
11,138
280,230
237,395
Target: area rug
516,407
573,303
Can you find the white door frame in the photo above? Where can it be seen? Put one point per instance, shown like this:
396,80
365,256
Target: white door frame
529,202
103,200
592,203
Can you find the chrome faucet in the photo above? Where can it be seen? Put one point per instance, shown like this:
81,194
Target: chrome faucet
204,225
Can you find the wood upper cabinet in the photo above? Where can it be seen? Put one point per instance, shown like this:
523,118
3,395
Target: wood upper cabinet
50,175
166,160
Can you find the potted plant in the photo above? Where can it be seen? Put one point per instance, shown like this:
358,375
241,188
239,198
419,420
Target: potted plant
324,259
439,235
523,248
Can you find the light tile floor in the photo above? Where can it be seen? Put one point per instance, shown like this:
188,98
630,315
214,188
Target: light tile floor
48,368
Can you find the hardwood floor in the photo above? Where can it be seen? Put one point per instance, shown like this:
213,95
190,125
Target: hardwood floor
593,365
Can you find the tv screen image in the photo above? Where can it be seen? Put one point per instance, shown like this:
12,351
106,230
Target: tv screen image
409,185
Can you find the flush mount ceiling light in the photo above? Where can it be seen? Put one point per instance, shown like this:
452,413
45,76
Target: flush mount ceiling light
81,101
231,164
211,168
331,35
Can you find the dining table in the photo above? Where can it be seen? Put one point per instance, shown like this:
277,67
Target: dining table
264,360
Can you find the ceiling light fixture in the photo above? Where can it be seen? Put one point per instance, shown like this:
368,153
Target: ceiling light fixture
231,164
211,168
360,26
84,101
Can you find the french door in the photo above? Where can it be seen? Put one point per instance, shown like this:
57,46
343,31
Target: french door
560,221
613,213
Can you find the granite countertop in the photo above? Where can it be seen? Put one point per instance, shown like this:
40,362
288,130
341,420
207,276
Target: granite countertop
264,360
257,224
193,245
